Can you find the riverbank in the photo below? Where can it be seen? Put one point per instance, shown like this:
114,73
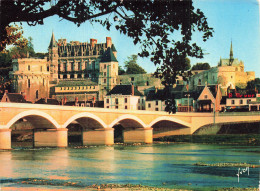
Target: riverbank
241,139
114,187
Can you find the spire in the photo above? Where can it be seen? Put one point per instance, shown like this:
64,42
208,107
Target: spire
231,52
53,42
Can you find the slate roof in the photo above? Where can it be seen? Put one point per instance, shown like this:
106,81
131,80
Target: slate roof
113,48
71,83
108,56
124,90
49,101
159,95
16,98
53,42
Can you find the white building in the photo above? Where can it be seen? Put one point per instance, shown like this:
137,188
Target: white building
124,97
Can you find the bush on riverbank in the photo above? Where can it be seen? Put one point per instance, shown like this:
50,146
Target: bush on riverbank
248,139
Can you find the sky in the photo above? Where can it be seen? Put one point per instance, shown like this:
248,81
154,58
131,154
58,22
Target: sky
236,20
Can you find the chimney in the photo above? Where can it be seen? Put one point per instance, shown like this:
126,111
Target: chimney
109,41
93,42
133,90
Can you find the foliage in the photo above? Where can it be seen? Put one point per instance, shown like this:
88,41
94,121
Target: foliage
121,71
23,52
187,64
251,85
132,67
14,36
150,23
201,66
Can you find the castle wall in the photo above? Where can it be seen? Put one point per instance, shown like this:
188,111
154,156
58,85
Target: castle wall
31,76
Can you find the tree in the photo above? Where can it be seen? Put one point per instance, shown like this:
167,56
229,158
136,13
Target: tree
251,85
121,71
187,64
150,23
23,52
201,66
14,36
132,67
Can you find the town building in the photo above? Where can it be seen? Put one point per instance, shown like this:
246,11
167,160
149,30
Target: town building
13,98
125,97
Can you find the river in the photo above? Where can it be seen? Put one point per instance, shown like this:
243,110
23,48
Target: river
158,165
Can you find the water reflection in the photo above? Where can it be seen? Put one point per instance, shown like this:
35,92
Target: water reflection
167,165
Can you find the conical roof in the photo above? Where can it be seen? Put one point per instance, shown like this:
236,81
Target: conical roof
108,56
113,48
53,42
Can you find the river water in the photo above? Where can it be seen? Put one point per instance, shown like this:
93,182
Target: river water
158,165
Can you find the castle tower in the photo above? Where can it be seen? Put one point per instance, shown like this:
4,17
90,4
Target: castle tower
53,59
231,58
108,71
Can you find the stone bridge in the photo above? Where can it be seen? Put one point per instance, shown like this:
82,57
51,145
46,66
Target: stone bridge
50,123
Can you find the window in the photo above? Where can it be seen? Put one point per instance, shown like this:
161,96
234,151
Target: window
199,82
156,109
132,79
105,80
125,100
48,68
232,101
156,102
43,82
241,101
138,107
205,96
37,94
105,66
248,101
107,100
29,67
116,100
126,107
143,108
29,83
116,107
105,74
142,100
41,68
147,83
138,100
149,105
107,106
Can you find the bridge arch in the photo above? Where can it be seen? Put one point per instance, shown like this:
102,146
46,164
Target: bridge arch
86,120
167,126
36,117
128,121
171,119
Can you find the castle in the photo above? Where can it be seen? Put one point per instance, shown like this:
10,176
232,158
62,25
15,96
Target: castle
88,71
229,74
74,70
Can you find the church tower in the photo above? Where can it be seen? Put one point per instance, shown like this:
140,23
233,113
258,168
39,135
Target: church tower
53,59
231,58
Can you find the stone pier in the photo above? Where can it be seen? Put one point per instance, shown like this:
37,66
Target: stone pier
138,135
5,138
98,137
51,138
